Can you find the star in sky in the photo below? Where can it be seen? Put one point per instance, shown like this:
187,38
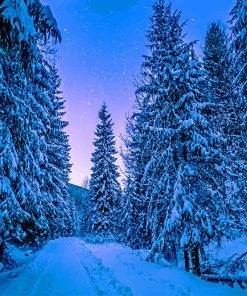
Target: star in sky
100,57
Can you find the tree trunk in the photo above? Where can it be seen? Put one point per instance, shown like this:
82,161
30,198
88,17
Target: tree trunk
196,261
2,247
175,253
202,253
186,260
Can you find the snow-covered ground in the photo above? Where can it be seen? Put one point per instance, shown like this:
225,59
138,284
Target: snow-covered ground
147,279
71,267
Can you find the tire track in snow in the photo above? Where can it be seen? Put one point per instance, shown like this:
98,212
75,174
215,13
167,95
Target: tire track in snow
56,271
19,283
103,280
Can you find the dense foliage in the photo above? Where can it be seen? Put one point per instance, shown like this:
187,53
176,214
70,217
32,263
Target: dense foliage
185,145
184,152
34,150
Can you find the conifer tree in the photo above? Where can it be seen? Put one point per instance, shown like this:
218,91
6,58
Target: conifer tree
136,154
105,192
239,154
220,91
239,23
58,157
8,175
33,201
21,121
183,179
189,151
216,62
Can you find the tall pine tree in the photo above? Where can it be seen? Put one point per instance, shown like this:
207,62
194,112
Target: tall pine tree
183,179
32,201
105,192
220,73
136,154
239,45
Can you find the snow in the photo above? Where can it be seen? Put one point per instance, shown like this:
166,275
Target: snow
64,267
19,18
71,267
145,278
20,255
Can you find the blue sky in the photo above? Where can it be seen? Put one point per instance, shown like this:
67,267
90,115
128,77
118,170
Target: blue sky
100,56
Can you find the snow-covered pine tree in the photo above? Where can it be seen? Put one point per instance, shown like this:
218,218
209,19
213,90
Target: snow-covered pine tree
216,62
239,23
21,121
8,175
184,176
219,89
141,142
26,104
136,154
239,42
58,158
105,191
20,21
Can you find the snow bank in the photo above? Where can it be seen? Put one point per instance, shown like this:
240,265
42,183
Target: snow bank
145,278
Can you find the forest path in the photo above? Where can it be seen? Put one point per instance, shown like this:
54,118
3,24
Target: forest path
72,267
64,267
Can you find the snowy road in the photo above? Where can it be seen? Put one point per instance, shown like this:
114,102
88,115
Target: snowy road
70,267
64,267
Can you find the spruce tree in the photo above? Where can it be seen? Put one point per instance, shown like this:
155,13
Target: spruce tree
220,90
28,111
239,46
105,192
58,158
183,179
8,175
239,23
22,122
216,62
136,154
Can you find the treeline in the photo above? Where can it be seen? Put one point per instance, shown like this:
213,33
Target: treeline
34,149
184,150
185,145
